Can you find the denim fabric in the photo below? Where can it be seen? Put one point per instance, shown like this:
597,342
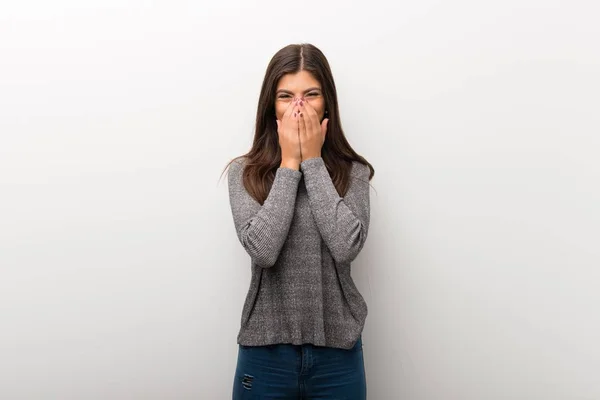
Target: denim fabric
294,372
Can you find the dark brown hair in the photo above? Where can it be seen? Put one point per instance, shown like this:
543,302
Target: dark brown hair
264,157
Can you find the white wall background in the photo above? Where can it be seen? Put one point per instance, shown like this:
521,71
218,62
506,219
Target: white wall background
120,273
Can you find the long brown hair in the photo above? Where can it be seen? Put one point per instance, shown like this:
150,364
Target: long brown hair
264,157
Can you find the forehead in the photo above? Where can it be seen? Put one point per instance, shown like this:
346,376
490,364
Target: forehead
298,81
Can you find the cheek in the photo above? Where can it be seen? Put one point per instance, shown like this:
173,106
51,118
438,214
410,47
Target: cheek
280,107
319,106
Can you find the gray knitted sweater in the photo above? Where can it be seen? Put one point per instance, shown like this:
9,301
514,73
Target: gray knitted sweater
301,242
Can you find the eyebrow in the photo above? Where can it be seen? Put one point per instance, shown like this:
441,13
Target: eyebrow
306,91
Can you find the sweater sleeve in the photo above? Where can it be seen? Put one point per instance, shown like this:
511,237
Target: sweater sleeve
262,230
342,222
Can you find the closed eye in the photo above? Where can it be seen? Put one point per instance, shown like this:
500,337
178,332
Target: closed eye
287,96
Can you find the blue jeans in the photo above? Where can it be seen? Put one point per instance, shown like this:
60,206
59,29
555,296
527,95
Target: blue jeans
298,372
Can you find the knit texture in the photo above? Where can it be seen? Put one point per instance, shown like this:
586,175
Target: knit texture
301,243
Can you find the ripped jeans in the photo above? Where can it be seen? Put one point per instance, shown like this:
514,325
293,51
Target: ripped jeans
299,372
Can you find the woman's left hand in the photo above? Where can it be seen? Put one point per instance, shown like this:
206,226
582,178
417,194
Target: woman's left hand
312,133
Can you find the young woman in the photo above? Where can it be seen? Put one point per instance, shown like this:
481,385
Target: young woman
300,205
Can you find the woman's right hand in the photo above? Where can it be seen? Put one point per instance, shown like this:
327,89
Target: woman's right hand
289,139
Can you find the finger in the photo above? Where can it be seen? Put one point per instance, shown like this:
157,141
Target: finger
288,110
290,124
295,120
310,109
305,121
313,120
293,107
302,125
296,110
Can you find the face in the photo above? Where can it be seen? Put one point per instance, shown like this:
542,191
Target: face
298,85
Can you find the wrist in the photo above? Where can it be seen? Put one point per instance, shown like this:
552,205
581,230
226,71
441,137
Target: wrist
291,164
308,157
